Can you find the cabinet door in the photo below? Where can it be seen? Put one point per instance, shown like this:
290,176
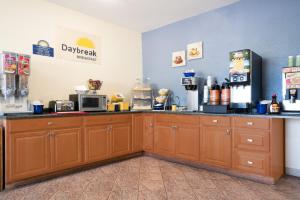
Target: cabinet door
121,139
148,133
137,134
216,146
66,147
164,139
97,143
28,154
187,142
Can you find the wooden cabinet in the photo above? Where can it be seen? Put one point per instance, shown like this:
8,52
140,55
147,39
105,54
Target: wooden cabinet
97,143
28,154
187,142
121,139
137,133
177,136
248,145
112,135
216,142
148,133
164,139
67,147
258,146
45,145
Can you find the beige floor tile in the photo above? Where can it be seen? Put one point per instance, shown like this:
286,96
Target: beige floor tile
147,178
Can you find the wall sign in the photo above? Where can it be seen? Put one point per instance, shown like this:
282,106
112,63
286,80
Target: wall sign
42,48
77,46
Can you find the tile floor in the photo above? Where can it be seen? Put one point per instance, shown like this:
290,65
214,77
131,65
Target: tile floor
149,178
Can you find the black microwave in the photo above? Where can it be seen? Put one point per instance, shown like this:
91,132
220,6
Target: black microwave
89,102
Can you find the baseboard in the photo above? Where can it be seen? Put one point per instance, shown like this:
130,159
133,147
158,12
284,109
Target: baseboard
292,171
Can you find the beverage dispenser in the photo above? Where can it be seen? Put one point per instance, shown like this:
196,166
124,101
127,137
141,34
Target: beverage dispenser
245,79
291,88
191,85
14,74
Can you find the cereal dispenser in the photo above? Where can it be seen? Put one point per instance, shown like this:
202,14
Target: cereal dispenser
14,74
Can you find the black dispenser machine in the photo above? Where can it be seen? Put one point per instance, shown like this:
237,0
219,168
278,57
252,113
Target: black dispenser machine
245,76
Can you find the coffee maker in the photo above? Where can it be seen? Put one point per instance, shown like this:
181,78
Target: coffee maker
291,88
191,85
245,79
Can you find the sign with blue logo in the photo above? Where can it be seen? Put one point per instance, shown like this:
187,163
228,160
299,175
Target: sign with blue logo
42,48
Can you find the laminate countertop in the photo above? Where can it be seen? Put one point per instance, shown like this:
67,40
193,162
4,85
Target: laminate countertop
285,115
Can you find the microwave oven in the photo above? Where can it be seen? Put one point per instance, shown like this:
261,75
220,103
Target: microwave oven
89,102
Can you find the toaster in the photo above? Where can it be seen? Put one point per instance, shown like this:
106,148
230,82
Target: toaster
61,106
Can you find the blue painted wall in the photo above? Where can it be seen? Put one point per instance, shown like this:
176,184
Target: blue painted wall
271,28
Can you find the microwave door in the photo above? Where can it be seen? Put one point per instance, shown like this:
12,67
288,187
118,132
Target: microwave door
89,103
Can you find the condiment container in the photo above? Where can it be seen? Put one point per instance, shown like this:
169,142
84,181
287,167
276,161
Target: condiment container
215,95
225,94
274,106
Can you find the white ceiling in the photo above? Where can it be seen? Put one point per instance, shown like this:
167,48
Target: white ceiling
142,15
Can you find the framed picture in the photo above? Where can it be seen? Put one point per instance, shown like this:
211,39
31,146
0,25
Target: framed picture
178,59
194,50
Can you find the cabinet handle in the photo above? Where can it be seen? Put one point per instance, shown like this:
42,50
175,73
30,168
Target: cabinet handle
151,125
250,162
249,140
50,123
174,127
250,123
215,121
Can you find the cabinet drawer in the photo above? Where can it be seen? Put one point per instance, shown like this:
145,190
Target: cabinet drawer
249,162
251,122
248,139
165,118
63,122
107,119
45,123
215,121
188,119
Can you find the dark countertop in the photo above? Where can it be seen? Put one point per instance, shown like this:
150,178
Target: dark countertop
46,115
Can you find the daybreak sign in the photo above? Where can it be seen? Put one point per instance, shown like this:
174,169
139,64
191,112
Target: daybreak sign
76,46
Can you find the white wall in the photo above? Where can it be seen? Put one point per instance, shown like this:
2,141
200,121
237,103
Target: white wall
292,146
23,23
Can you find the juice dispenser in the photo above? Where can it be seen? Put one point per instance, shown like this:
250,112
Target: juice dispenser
291,89
245,79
